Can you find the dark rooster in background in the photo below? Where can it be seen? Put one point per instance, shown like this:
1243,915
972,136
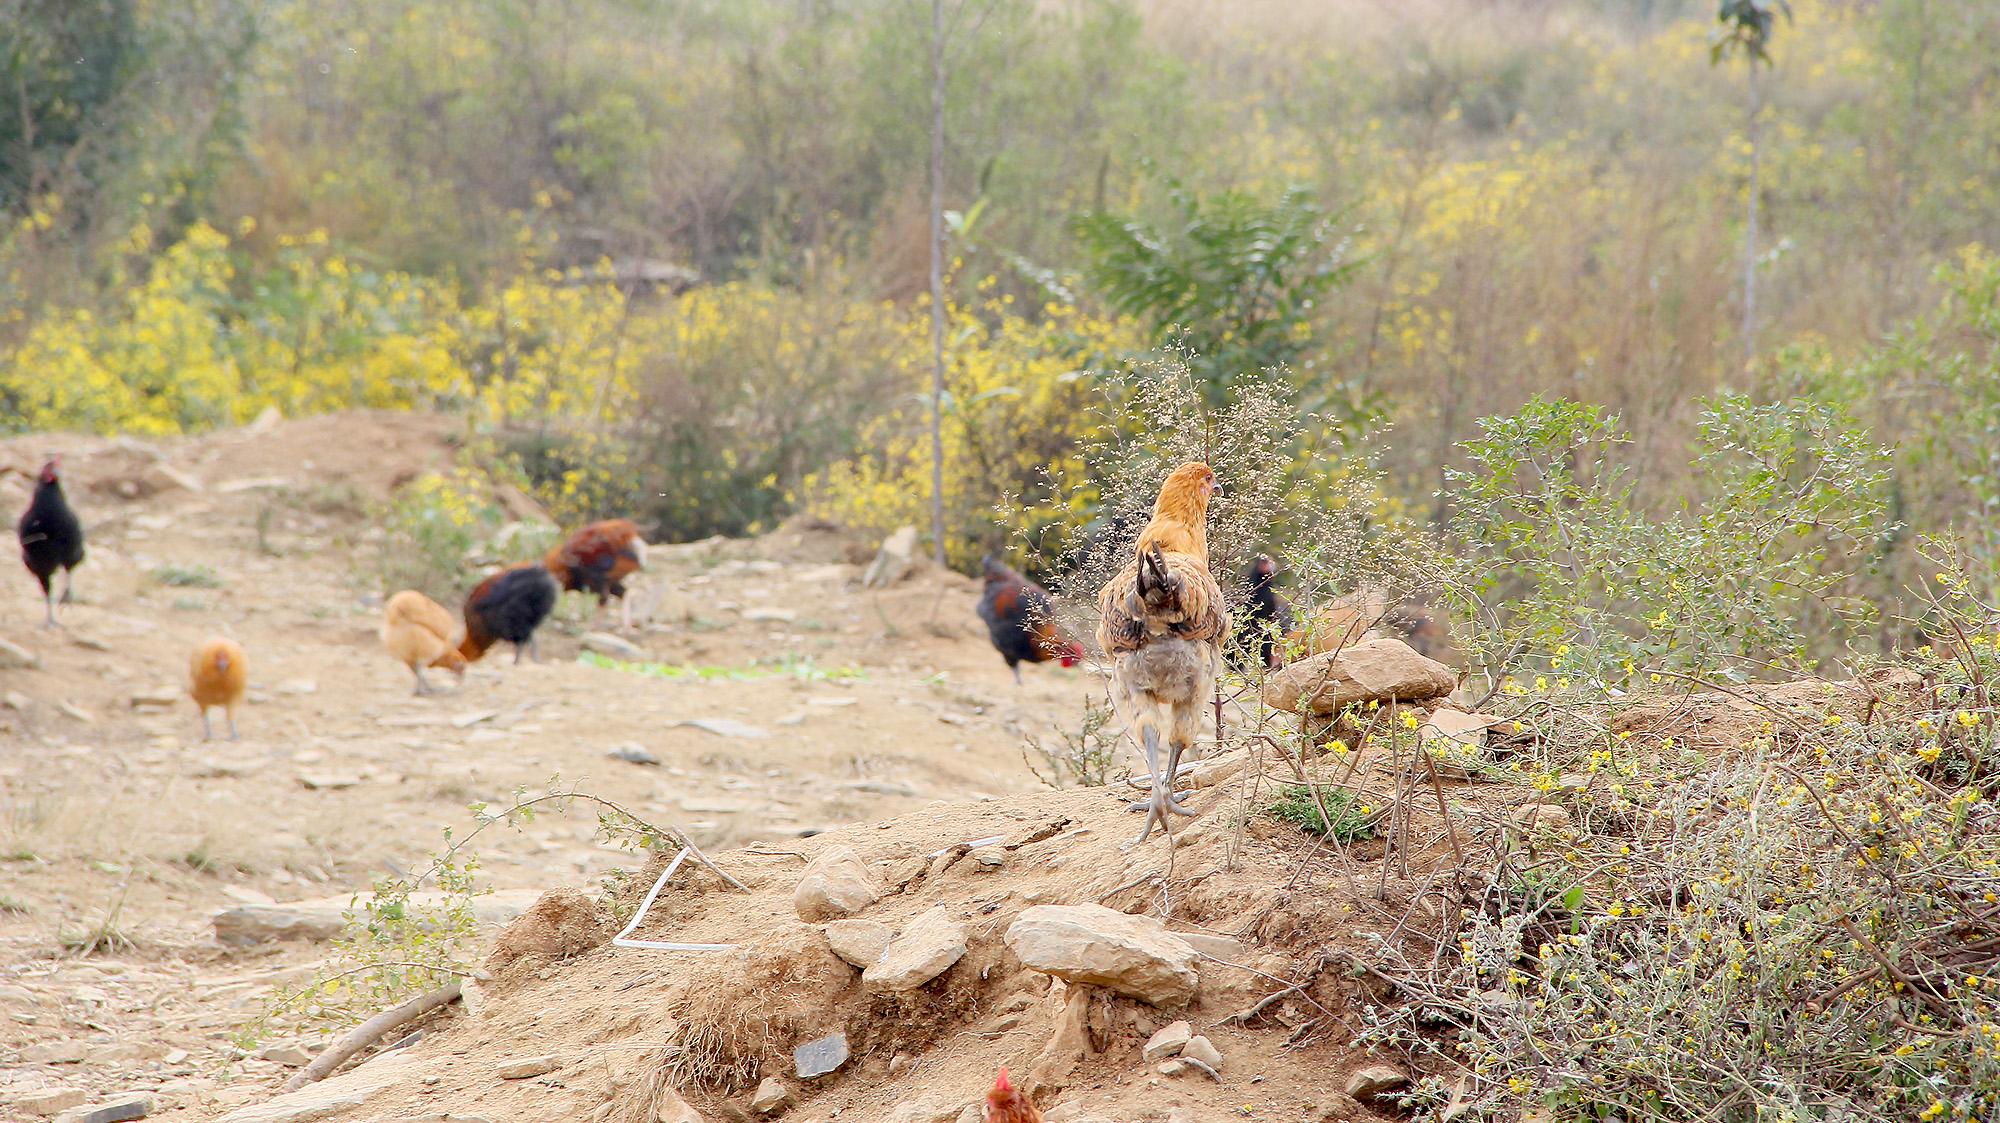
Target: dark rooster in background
1020,617
1266,616
51,536
509,606
597,559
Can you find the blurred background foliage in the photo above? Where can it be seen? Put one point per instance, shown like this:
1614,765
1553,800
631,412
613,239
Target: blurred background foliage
668,256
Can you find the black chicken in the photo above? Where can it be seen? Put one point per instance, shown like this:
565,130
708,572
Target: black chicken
1021,620
509,606
51,536
1266,617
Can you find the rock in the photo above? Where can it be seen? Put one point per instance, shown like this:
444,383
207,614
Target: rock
633,754
974,1113
322,918
1462,727
820,1056
1370,1082
1213,946
1171,1039
770,615
604,643
923,1111
330,1097
988,860
266,421
157,698
835,884
1201,1049
328,781
727,727
1541,817
895,560
131,1105
924,950
772,1095
1382,670
165,477
54,1053
860,942
18,701
524,1068
1133,955
299,687
289,1053
14,657
48,1101
670,1108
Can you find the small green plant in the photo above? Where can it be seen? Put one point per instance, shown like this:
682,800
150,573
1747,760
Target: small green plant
186,577
190,604
14,906
107,934
1085,756
1349,822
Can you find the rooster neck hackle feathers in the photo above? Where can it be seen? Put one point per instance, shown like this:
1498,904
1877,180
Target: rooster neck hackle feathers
1180,514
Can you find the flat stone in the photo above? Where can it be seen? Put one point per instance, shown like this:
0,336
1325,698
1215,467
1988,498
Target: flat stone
633,754
328,781
1201,1049
1133,955
166,477
157,698
820,1056
48,1101
288,1053
15,657
54,1053
330,1097
523,1068
671,1108
924,950
1372,1082
727,727
835,884
1378,669
770,615
1541,817
771,1096
322,918
617,647
859,942
988,860
15,700
1175,1067
1171,1039
132,1105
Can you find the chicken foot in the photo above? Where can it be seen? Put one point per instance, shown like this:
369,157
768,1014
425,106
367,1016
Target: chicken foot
1163,801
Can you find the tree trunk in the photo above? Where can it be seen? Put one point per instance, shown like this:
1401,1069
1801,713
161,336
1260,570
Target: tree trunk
1750,226
937,280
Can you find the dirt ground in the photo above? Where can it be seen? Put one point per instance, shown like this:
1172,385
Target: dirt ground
118,821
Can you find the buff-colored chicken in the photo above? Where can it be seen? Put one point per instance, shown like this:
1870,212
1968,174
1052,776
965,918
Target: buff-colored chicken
418,632
1008,1104
218,675
1162,621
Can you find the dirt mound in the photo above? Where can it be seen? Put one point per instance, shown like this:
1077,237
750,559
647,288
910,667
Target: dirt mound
630,1029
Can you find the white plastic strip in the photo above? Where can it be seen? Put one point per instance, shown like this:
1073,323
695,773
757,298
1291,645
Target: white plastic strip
624,940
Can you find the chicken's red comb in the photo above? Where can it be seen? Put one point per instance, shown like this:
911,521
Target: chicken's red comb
1002,1085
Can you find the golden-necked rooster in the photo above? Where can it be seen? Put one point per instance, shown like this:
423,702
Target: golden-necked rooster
598,559
1162,621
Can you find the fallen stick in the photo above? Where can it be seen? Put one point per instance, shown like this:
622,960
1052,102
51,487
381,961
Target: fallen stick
371,1031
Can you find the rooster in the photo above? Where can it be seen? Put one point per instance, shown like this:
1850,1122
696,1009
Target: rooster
509,606
417,631
1266,617
597,559
51,536
1021,620
1162,621
218,674
1008,1104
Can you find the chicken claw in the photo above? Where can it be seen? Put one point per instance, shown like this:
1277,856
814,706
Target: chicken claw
1163,801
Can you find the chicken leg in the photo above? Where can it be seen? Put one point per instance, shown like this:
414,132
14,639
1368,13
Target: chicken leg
207,733
49,605
1162,801
423,686
69,576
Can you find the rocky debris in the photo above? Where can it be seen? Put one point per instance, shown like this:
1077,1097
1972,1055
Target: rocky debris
328,781
820,1056
1371,1083
924,950
322,918
14,657
859,942
132,1105
1171,1039
988,860
1201,1049
157,698
17,701
48,1101
604,643
924,1111
1133,955
770,615
772,1095
835,884
1381,670
165,477
895,560
54,1053
671,1108
1541,817
633,754
1454,739
561,924
527,1068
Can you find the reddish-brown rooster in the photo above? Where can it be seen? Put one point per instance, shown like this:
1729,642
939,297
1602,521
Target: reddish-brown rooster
597,559
1021,620
1008,1104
